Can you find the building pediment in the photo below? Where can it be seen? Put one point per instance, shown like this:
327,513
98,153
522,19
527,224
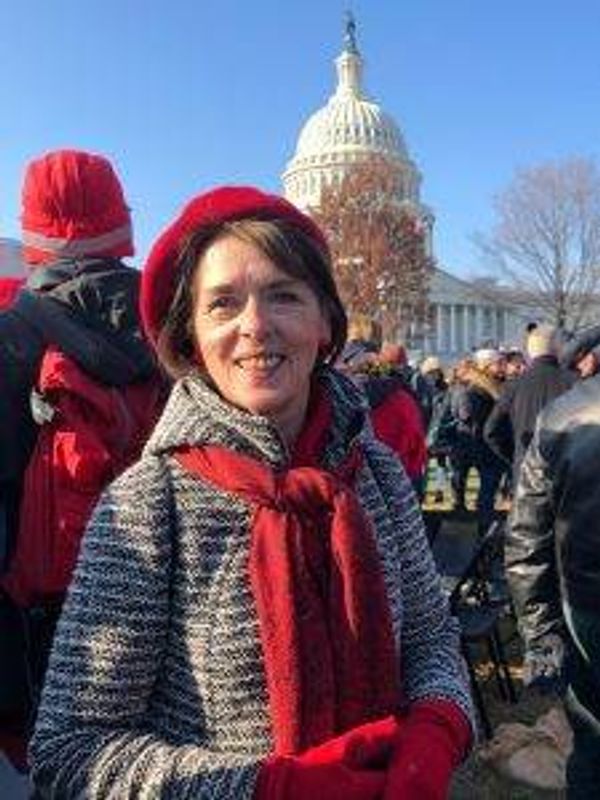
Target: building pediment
447,288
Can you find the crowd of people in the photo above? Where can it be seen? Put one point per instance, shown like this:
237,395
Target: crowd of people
215,575
527,422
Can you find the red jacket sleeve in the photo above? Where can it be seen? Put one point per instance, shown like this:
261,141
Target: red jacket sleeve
398,422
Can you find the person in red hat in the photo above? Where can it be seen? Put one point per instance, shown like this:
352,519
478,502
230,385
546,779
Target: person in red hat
80,299
255,612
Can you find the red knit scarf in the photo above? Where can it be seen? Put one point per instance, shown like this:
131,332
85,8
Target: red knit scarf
324,619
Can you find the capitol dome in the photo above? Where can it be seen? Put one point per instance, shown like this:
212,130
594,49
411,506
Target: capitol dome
348,129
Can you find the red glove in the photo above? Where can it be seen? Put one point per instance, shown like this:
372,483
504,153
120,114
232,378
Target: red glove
349,767
431,743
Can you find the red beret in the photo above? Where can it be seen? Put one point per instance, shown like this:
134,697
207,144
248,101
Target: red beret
225,204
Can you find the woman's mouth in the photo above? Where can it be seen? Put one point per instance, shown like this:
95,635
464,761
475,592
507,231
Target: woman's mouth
260,362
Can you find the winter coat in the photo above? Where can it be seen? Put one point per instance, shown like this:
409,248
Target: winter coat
156,683
449,434
88,309
553,544
9,288
397,420
509,427
472,408
423,390
440,413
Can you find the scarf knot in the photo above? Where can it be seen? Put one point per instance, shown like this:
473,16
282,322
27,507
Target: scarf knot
305,491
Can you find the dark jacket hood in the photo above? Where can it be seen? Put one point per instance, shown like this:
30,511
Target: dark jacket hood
89,310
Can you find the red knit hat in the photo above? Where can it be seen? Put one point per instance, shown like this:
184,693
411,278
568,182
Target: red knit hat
225,204
73,207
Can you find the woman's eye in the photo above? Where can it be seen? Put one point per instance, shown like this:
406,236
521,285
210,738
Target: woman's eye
223,303
285,296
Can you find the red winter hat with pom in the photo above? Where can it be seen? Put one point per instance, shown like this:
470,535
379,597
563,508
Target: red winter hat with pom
73,207
225,204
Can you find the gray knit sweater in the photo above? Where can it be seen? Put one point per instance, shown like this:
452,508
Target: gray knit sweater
156,685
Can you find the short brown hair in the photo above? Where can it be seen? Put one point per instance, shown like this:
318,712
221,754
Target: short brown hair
289,248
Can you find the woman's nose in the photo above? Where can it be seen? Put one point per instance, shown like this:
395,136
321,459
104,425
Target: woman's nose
255,320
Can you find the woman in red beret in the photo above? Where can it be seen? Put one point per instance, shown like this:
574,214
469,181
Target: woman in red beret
255,612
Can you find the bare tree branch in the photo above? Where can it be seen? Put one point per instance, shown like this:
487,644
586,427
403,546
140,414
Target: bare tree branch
547,237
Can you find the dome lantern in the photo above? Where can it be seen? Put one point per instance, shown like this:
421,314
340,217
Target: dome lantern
349,63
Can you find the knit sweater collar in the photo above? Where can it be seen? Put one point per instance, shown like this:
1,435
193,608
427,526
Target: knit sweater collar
195,414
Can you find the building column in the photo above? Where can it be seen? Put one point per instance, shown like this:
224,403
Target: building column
425,333
438,328
478,326
453,329
474,336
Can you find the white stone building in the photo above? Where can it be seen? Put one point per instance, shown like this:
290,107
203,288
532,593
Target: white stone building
465,317
351,127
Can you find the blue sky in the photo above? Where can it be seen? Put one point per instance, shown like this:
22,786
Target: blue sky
186,94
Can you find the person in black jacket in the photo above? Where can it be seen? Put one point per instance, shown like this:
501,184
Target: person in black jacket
552,558
80,297
483,384
509,427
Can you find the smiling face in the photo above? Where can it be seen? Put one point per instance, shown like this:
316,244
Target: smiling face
257,331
